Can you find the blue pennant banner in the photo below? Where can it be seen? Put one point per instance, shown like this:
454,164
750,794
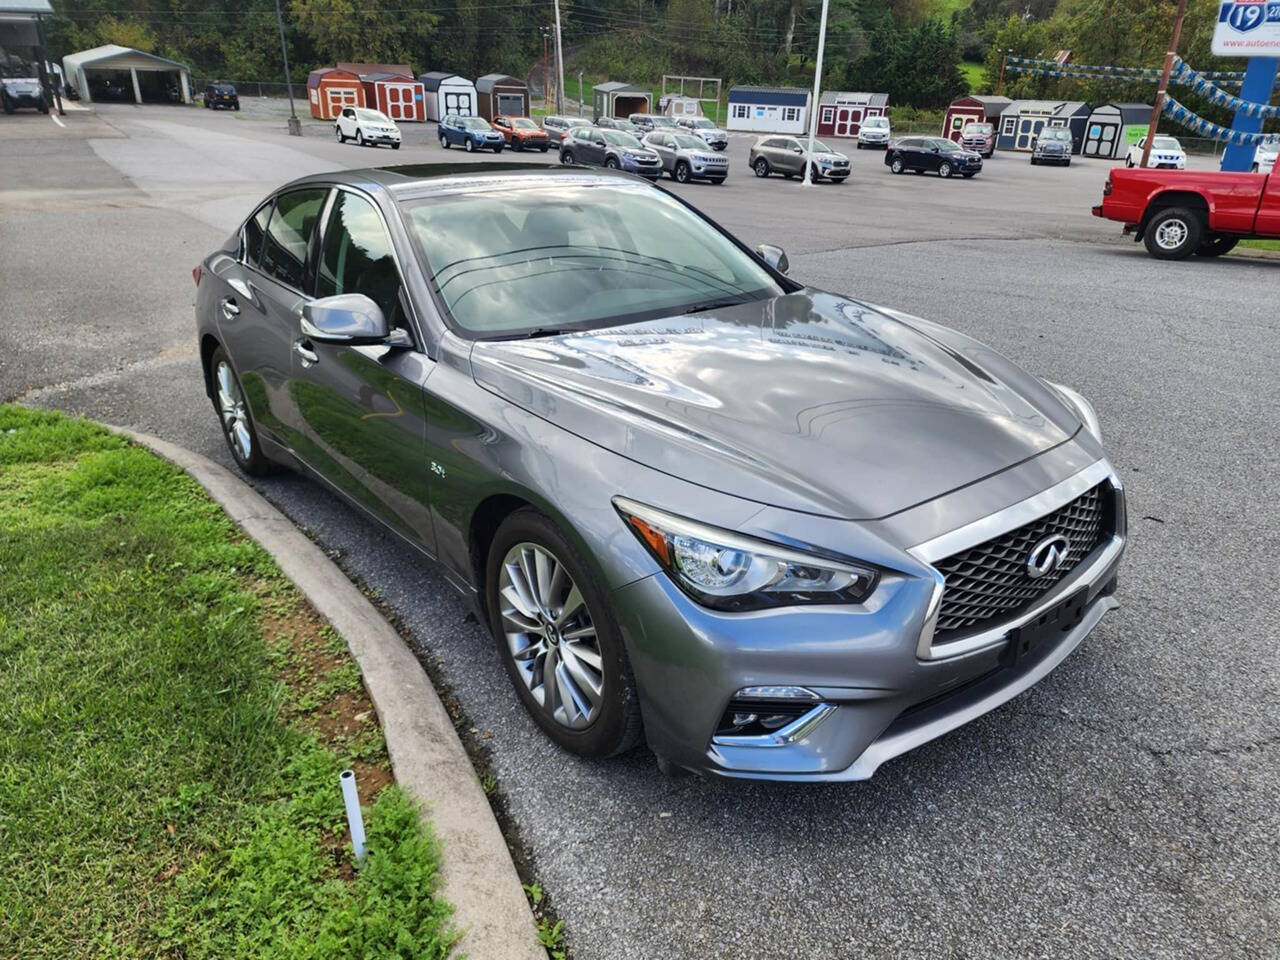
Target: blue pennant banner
1206,128
1201,83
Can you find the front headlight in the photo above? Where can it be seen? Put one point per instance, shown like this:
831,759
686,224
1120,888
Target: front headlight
1078,405
728,571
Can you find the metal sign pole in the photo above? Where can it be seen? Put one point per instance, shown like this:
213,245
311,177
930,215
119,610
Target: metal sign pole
806,178
559,65
295,125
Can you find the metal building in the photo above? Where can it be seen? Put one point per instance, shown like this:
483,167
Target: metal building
112,72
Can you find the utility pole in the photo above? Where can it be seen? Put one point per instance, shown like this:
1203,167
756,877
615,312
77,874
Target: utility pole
806,177
1164,81
560,64
295,125
1004,59
580,104
546,70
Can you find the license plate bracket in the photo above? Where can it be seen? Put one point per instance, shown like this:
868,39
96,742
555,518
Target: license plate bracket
1046,629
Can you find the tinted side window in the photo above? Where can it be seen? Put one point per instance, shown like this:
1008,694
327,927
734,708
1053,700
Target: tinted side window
284,255
357,257
255,229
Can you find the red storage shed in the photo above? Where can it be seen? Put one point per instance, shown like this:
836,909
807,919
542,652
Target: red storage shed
399,97
972,110
330,89
840,113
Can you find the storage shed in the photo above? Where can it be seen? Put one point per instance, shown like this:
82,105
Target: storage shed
1113,127
617,99
768,109
448,94
399,96
972,110
1022,121
330,89
840,113
497,94
112,72
365,69
677,105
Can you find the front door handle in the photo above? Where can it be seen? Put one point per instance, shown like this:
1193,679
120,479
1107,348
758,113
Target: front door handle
230,309
308,356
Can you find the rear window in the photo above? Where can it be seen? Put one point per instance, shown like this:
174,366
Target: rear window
284,254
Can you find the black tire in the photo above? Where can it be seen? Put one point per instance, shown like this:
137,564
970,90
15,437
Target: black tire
945,170
1034,161
255,464
616,728
761,167
444,141
1216,245
566,156
716,180
1128,162
1173,234
611,163
897,166
338,130
838,179
208,105
681,173
969,175
235,107
8,107
359,138
497,149
469,145
1254,169
395,146
543,148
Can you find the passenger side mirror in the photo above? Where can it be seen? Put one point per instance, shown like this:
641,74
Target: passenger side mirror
775,257
350,318
599,143
797,149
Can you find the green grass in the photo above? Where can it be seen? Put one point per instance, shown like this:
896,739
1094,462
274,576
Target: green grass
1261,244
173,718
974,73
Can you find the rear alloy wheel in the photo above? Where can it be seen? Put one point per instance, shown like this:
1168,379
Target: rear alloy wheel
1217,245
558,639
469,145
681,172
945,170
566,156
233,412
444,141
897,166
762,167
1173,234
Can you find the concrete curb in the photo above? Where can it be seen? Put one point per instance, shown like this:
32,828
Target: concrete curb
429,760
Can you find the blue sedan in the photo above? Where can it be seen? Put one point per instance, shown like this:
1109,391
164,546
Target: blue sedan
474,133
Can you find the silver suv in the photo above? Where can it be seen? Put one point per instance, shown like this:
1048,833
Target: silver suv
687,157
786,155
705,129
610,148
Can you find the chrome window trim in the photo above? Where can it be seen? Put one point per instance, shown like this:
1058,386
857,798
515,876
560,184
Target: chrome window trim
995,525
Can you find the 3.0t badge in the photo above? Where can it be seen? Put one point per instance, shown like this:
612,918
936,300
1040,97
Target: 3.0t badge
1047,555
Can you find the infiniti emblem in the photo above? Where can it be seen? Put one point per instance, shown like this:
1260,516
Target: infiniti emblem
1047,555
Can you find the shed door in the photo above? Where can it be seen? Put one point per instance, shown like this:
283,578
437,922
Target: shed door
956,127
339,97
1028,129
459,102
400,102
1100,140
847,121
511,104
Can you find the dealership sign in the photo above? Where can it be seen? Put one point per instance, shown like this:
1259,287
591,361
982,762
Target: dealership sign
1247,28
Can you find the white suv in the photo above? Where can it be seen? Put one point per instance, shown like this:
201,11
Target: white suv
1264,157
874,132
366,127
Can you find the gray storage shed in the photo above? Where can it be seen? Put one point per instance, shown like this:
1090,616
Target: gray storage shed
1114,127
113,72
617,99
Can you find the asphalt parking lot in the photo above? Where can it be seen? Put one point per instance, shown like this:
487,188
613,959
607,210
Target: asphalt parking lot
1128,806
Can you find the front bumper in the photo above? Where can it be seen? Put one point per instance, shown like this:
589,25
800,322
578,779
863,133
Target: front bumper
651,170
1063,158
877,696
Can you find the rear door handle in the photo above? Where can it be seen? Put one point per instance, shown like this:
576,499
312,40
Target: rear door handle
230,308
308,356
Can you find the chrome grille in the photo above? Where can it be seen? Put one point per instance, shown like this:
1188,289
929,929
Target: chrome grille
991,580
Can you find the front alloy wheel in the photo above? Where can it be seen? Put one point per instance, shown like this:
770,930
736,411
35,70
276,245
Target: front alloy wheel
359,138
558,639
762,167
469,145
945,169
897,166
681,172
444,141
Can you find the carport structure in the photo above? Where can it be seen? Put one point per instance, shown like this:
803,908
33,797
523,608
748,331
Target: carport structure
616,99
122,73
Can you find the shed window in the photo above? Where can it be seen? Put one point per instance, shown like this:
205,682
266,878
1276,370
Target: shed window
740,111
828,114
1008,126
791,114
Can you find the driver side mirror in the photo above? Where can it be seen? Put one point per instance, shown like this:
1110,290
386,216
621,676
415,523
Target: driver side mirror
348,318
599,143
774,256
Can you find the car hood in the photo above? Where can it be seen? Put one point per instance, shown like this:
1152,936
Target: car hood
808,401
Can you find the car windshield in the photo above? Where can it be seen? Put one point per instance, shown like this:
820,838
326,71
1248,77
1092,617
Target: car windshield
1063,135
662,121
18,70
374,116
473,123
686,142
1166,143
523,123
876,122
979,129
702,123
574,255
946,146
619,139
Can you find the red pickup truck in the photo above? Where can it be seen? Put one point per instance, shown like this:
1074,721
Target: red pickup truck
1180,212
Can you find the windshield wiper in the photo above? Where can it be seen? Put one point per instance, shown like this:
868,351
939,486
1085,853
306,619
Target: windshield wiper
716,304
534,333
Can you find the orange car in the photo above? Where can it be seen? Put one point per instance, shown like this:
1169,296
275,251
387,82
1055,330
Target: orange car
521,133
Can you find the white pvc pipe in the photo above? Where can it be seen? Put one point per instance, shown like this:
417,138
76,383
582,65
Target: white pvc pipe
355,820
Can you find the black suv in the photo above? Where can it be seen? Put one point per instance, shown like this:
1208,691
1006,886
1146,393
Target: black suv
221,95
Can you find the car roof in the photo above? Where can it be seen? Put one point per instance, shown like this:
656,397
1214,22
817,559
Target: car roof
411,180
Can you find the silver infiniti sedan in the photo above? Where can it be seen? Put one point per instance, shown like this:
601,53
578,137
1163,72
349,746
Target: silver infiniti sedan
771,531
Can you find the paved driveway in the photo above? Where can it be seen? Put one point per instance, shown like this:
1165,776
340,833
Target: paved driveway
1125,807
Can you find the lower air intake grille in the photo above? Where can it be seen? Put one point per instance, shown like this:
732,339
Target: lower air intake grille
991,580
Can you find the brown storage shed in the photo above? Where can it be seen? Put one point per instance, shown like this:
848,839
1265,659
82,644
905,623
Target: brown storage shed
330,89
500,95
